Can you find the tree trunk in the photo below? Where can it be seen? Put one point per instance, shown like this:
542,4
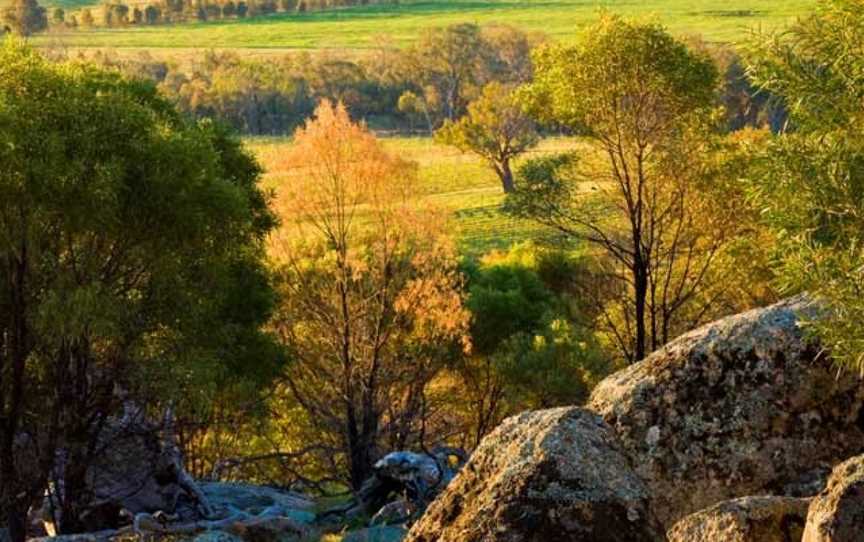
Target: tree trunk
14,497
506,176
640,293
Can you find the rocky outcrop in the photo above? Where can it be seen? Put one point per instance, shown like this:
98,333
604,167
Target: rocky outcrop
743,406
747,519
540,476
837,514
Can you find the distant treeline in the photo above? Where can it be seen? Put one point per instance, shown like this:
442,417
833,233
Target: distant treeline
119,14
403,90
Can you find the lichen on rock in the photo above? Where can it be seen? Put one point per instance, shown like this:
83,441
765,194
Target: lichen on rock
746,405
554,474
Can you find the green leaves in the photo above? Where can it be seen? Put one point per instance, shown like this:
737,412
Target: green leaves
619,68
811,187
135,226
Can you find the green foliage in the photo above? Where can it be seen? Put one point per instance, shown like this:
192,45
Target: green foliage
633,65
505,300
495,128
131,253
535,334
559,365
813,177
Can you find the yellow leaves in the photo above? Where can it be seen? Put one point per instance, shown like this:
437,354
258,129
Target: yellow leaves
351,217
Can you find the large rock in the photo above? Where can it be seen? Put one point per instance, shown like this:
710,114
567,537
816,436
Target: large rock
541,476
742,406
837,514
746,519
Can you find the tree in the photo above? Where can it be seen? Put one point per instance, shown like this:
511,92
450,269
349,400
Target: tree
125,233
372,307
643,100
152,14
495,128
87,17
448,63
58,16
810,188
242,9
25,17
532,342
412,105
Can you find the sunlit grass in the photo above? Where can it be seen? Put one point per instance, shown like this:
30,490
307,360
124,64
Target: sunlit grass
460,183
363,27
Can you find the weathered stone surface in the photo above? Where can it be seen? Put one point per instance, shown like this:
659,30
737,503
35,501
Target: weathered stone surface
137,468
837,514
548,475
393,513
232,498
746,519
409,467
742,406
376,534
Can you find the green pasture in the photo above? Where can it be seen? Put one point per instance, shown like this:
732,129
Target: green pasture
365,27
460,183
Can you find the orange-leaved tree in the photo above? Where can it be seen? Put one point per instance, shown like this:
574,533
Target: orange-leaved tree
372,303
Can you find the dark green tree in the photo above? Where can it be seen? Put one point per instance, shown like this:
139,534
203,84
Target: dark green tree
25,17
128,235
58,16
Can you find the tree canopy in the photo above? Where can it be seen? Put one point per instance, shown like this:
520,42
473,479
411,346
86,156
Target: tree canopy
495,128
126,233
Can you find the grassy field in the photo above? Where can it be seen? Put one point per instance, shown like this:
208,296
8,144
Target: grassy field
460,183
365,26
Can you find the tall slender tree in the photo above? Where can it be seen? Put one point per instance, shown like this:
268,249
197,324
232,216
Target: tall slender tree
643,101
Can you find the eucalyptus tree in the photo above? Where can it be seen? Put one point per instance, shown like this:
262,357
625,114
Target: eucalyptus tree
643,102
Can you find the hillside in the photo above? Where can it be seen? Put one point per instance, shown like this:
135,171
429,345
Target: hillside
364,26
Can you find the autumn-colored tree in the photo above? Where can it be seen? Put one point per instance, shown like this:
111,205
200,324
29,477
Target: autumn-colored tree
495,128
87,18
372,304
